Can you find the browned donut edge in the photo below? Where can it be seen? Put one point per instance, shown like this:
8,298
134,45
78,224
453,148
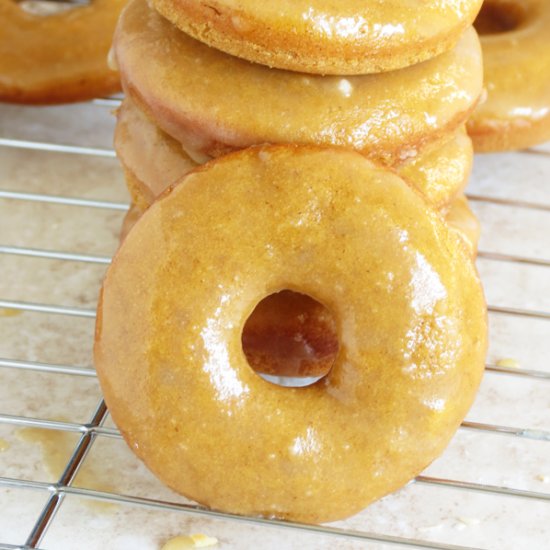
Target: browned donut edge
215,25
508,136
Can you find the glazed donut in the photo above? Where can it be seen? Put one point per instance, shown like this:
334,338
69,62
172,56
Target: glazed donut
59,57
214,103
328,223
291,335
323,37
153,160
516,56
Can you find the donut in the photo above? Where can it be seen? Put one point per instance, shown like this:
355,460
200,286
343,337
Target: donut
324,37
291,335
516,56
60,57
328,223
153,160
214,103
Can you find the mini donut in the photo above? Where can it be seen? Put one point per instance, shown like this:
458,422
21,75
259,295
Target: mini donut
327,223
322,36
214,103
155,160
60,57
516,56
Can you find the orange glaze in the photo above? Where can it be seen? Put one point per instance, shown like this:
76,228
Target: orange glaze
214,103
404,294
59,57
516,56
156,160
324,36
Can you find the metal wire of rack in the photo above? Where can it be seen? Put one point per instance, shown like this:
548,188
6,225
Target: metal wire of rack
89,432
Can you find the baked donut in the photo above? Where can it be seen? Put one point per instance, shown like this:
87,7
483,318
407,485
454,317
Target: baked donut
291,335
325,37
328,223
516,56
214,103
59,57
155,160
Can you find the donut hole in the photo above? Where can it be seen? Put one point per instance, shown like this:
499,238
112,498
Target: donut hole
290,339
498,17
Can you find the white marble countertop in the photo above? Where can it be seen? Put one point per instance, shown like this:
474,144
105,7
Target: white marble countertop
420,511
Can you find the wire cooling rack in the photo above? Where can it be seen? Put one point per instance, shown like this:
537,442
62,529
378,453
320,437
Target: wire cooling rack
61,204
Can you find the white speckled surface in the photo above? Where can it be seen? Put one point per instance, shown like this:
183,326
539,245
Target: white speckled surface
424,512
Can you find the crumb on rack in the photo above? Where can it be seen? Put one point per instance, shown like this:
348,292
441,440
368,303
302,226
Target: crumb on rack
190,541
509,363
543,478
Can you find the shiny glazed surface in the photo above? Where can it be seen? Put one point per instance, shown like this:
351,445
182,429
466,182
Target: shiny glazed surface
157,160
57,58
325,36
516,112
215,103
405,297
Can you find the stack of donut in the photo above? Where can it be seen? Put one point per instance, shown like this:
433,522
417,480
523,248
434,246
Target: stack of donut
296,170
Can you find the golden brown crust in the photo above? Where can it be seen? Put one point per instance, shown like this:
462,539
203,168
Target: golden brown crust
515,113
312,37
489,136
220,103
412,334
57,58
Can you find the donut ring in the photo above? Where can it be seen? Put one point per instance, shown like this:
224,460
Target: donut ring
351,37
302,218
155,160
289,334
189,95
41,63
516,56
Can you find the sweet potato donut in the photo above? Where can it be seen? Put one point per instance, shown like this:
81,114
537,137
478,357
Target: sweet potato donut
328,223
59,57
215,103
291,335
516,56
157,160
323,36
